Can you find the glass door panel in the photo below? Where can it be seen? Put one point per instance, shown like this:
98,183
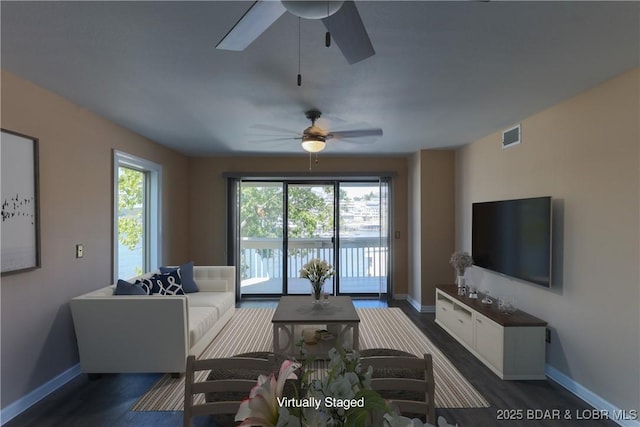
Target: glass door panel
261,238
384,259
310,224
362,244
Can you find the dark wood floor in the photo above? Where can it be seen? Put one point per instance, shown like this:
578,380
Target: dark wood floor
106,401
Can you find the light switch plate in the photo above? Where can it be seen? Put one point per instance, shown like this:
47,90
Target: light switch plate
79,250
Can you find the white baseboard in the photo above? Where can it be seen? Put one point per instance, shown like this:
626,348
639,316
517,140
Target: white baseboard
419,307
415,304
25,402
428,309
614,413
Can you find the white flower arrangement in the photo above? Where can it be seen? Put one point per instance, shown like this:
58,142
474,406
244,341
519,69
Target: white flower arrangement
461,261
344,381
317,271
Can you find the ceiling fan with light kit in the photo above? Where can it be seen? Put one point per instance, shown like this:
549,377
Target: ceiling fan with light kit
341,18
314,138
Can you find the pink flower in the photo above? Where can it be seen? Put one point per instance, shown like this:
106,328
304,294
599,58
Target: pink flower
261,408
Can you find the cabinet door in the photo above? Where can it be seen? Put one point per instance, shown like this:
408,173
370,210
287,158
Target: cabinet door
462,324
444,310
489,340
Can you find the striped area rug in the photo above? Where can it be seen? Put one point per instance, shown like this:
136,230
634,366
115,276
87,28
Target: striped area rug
250,330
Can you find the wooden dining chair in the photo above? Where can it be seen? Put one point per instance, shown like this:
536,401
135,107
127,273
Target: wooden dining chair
224,382
406,380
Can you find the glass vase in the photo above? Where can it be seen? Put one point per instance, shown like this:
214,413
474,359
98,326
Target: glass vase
460,281
316,292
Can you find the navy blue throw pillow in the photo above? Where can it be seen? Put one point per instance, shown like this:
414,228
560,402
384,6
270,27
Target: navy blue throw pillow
147,285
168,283
189,285
125,288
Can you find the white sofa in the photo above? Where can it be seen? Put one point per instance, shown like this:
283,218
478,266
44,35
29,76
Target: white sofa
151,333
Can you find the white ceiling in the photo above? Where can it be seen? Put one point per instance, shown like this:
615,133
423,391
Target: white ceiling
444,73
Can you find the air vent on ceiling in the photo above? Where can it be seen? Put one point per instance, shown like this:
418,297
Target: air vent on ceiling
511,136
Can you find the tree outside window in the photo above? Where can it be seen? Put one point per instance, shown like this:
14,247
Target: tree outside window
131,221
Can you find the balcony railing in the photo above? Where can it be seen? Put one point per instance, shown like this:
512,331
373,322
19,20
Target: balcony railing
362,262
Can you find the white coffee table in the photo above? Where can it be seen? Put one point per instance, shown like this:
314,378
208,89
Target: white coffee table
294,313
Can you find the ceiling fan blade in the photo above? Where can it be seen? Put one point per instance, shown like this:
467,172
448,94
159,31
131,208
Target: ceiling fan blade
254,22
348,31
257,141
357,133
274,129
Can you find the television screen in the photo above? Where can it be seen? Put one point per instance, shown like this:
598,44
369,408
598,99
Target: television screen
513,237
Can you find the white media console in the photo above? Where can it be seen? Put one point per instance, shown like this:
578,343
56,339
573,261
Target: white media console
511,345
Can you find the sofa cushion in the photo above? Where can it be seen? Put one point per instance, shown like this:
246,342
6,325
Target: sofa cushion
186,275
222,301
125,288
201,320
221,279
167,284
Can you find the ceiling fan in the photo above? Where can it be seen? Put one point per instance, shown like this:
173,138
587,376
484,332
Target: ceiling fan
314,138
340,17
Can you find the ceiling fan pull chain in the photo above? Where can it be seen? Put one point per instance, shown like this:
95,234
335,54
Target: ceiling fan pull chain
327,36
299,74
316,160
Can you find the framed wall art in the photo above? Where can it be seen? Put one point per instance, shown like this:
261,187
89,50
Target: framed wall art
20,228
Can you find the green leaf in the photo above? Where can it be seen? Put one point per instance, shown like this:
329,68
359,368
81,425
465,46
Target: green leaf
374,408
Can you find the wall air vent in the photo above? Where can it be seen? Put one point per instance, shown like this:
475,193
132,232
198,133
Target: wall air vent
511,136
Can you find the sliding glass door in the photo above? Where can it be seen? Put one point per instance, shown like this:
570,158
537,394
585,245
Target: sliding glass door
283,224
363,243
310,231
260,224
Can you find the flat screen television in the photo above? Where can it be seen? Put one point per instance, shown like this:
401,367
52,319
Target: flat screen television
513,237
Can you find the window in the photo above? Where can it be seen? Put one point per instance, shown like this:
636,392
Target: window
136,242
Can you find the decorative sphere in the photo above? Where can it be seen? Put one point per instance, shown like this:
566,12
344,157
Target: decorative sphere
311,9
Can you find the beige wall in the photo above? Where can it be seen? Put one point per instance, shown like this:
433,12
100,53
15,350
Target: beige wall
438,220
38,341
583,152
207,194
432,220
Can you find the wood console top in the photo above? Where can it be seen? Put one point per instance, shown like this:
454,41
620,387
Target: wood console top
517,318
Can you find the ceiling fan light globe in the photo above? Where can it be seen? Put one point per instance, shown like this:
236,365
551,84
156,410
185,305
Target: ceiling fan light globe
313,145
311,9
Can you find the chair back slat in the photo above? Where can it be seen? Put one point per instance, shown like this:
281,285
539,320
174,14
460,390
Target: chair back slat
408,384
228,407
401,374
411,406
228,384
234,363
395,362
223,385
